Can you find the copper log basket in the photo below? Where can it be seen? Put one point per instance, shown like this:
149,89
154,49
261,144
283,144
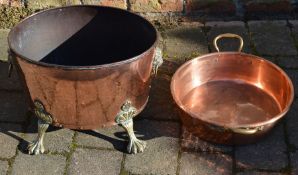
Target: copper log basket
231,97
85,67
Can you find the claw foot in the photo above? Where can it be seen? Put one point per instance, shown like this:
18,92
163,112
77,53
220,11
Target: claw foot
44,120
136,146
124,118
36,148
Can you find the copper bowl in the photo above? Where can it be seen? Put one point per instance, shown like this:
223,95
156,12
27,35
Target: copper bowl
86,67
231,97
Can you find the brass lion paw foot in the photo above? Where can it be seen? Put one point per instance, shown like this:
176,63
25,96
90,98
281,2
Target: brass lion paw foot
36,147
44,120
136,146
124,118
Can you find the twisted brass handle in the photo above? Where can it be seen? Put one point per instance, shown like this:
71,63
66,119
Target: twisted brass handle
228,35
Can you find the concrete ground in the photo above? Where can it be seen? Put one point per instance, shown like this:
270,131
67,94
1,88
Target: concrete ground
171,149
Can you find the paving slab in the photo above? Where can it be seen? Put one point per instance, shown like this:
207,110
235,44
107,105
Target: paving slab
292,123
10,134
293,74
97,162
268,154
161,104
237,27
102,138
161,153
184,42
3,167
38,164
294,28
259,173
56,139
9,83
168,68
205,164
294,161
13,107
192,143
3,44
40,4
289,62
272,38
273,59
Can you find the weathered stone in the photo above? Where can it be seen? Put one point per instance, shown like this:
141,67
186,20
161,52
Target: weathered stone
111,3
10,134
293,74
288,62
294,28
161,104
205,163
273,6
13,107
192,143
56,139
10,16
3,44
294,161
292,122
9,83
11,3
167,68
97,162
102,138
236,27
211,6
156,5
41,4
258,173
272,38
73,2
38,164
161,153
184,42
3,167
268,154
272,59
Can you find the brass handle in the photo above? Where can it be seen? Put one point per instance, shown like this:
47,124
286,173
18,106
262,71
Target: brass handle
228,35
247,131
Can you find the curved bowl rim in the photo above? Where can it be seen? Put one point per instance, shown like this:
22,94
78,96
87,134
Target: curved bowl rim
66,67
263,123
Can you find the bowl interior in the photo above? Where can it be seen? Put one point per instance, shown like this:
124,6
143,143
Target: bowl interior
82,36
232,89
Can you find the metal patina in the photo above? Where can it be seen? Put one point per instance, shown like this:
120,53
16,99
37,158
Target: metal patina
157,62
44,120
124,118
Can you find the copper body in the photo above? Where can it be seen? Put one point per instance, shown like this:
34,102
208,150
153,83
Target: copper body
102,62
231,97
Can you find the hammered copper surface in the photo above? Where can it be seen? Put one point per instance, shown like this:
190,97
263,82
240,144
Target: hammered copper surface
222,93
85,64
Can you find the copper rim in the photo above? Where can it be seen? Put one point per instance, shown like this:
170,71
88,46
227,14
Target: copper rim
126,61
258,124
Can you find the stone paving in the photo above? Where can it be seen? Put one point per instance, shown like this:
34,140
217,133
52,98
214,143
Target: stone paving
171,149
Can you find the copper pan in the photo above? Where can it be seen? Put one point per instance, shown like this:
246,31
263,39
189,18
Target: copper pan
231,97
